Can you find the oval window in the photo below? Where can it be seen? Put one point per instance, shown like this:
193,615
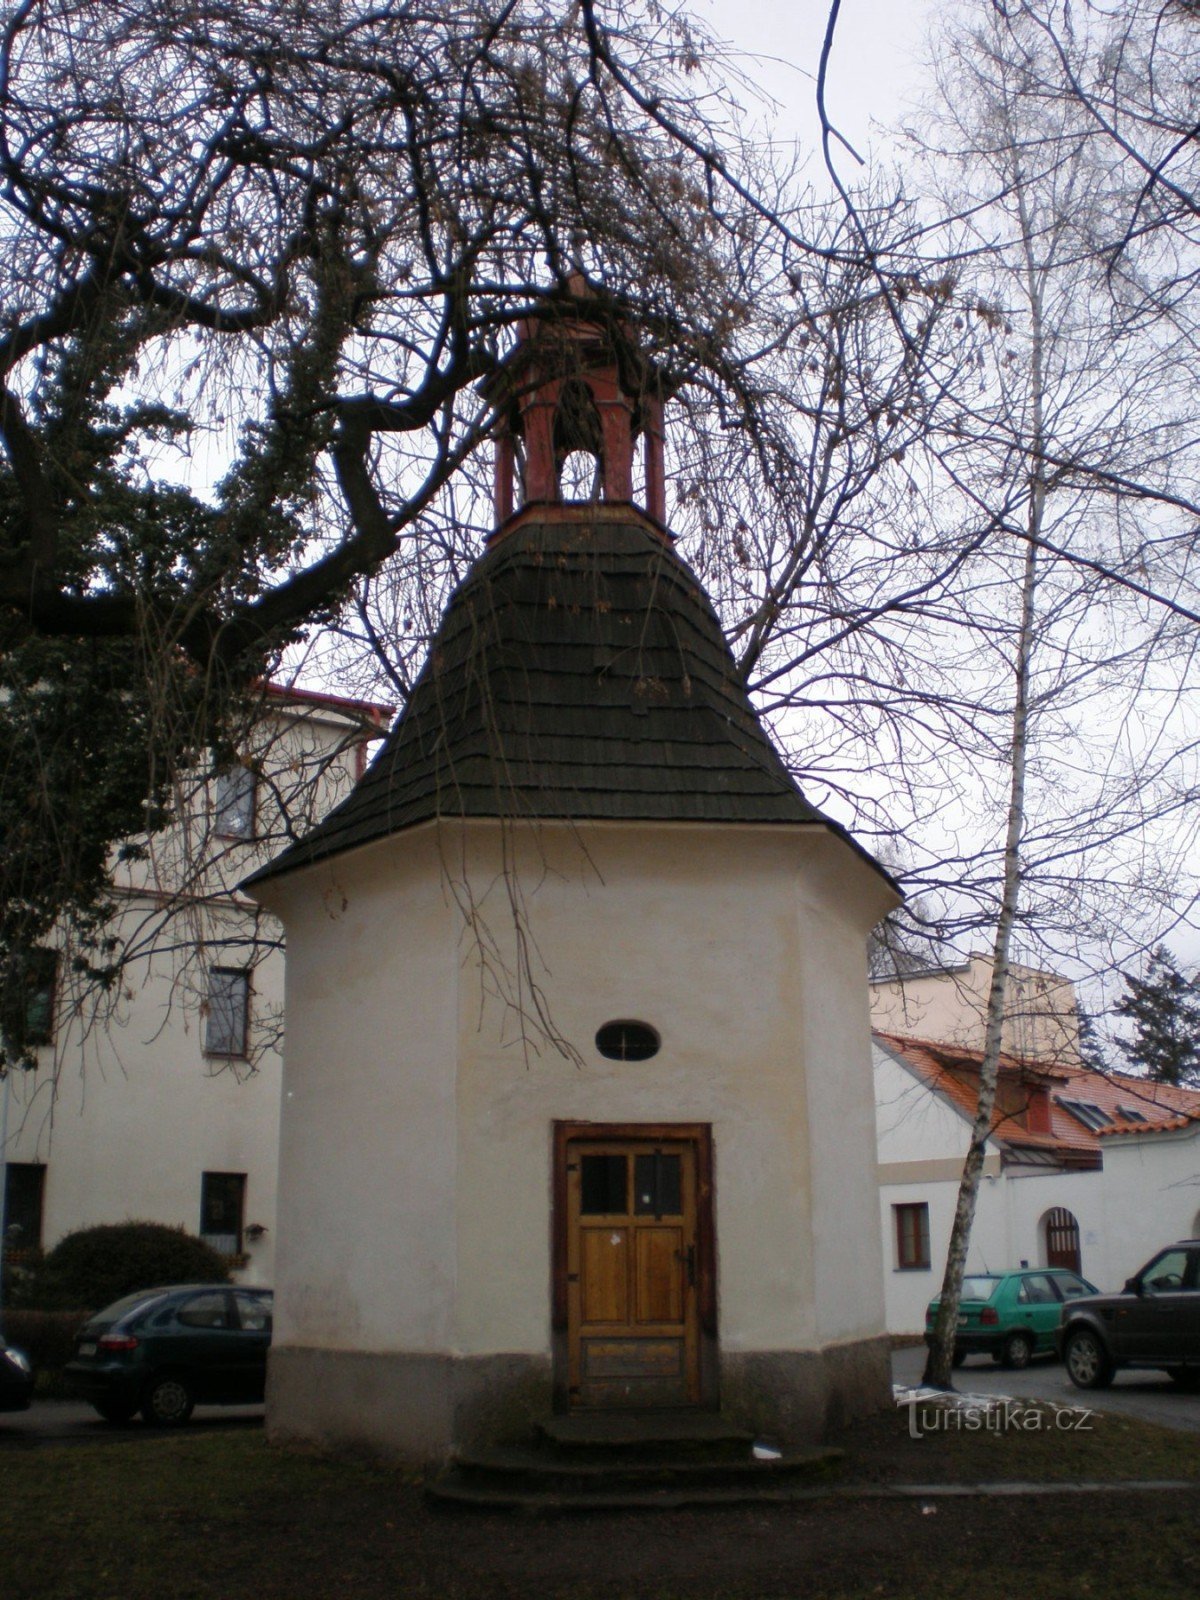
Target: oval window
627,1041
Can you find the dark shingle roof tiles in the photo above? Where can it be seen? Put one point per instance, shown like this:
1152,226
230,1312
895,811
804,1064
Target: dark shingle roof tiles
579,672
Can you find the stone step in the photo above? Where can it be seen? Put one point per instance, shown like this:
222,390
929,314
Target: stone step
632,1430
573,1471
632,1461
452,1491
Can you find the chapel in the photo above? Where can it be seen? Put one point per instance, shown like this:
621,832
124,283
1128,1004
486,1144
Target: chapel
578,1113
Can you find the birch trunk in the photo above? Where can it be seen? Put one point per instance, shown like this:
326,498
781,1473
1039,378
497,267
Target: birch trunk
940,1361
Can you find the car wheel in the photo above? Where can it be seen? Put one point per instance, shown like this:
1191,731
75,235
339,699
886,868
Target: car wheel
116,1410
168,1401
1016,1351
1088,1363
1186,1378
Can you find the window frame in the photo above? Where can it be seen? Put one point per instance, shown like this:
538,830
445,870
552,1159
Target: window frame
38,993
14,1174
237,784
209,1180
239,1047
912,1245
1093,1117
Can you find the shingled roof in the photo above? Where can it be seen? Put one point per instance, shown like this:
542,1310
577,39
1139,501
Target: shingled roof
579,672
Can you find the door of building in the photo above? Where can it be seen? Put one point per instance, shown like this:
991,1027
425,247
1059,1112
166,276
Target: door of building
1062,1240
632,1271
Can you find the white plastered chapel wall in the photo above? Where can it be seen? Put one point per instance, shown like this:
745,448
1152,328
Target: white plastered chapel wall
415,1168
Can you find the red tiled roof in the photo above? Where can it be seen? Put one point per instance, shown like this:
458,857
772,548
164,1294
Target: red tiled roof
952,1071
369,710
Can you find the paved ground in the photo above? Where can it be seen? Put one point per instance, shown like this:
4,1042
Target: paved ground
71,1422
1149,1396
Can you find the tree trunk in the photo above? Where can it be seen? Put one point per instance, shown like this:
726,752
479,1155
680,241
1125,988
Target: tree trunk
940,1361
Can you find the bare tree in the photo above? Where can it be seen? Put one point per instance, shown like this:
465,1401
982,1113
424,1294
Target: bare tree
1056,459
257,259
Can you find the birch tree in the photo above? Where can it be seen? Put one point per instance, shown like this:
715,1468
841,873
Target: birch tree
1054,453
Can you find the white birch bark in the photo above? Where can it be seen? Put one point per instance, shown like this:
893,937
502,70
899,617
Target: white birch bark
939,1363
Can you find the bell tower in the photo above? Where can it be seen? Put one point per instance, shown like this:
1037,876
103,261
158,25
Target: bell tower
576,407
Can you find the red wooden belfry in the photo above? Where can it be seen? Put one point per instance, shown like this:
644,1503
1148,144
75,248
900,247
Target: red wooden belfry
567,389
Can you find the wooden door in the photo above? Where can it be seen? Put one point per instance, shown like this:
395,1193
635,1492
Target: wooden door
1062,1240
632,1305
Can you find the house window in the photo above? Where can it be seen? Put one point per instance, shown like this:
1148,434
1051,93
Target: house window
1092,1116
627,1041
227,1025
236,794
24,1185
222,1209
29,1008
912,1236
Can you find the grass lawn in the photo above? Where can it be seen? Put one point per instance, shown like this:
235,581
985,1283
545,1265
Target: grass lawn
221,1516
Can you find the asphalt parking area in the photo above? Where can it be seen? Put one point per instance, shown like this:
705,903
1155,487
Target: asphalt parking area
1148,1396
72,1422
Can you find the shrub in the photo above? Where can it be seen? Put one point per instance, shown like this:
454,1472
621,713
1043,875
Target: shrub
95,1266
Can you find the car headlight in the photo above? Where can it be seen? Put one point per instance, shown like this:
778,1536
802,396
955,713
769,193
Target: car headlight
18,1359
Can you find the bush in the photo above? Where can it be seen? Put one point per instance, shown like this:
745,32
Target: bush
95,1266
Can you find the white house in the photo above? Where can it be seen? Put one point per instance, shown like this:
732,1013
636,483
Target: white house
577,1100
160,1101
1089,1170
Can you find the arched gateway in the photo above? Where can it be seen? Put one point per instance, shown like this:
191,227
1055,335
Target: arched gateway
1060,1240
578,1103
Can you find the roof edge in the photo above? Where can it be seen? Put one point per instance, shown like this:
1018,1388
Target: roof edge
280,867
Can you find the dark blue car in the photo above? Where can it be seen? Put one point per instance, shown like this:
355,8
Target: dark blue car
16,1379
163,1351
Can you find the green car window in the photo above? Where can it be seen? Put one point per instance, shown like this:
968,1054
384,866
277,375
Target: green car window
208,1310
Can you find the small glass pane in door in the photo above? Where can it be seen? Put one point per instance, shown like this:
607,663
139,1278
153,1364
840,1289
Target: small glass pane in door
657,1185
602,1190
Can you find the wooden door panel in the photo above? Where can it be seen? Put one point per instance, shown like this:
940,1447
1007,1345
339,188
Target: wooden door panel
622,1374
658,1282
604,1274
654,1359
632,1306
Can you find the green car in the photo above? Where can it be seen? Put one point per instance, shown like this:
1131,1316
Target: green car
163,1351
1010,1316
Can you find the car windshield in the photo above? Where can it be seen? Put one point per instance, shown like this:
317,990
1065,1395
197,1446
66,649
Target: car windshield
979,1288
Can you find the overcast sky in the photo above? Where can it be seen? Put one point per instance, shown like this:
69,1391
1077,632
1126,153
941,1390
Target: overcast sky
877,73
875,70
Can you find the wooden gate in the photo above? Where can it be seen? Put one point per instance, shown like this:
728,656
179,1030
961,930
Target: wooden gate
1062,1240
